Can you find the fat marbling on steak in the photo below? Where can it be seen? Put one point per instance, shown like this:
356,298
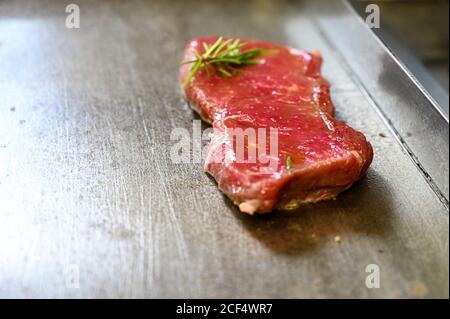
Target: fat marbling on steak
318,156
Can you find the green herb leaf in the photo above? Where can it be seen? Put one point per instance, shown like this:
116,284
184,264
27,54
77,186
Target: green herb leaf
224,57
289,162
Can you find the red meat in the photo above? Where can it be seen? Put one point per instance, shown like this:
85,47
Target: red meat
317,156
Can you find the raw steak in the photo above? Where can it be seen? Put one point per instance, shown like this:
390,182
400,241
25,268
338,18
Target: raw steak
318,156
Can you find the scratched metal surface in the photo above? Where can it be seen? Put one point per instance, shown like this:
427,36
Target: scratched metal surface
91,205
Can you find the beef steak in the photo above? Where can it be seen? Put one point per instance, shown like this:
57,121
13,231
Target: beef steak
317,156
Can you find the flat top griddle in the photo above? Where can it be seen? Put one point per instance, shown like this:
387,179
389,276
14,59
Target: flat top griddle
92,206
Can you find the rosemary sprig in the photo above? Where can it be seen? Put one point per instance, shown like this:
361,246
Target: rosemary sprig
224,57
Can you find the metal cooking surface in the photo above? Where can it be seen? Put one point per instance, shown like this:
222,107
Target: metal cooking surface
87,185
